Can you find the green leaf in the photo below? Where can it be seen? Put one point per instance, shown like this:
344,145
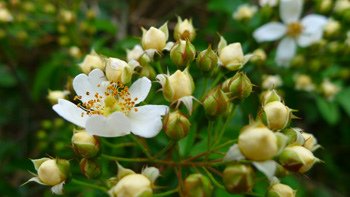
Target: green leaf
329,110
343,100
6,79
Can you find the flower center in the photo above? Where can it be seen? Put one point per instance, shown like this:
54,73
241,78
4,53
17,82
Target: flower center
294,29
116,98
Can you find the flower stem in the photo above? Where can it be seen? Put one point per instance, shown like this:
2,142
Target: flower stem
211,177
142,145
125,159
91,185
121,145
170,145
167,193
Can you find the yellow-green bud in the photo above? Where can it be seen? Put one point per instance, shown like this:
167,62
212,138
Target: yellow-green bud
177,85
259,56
231,56
85,145
53,171
67,16
90,168
297,159
277,115
182,53
294,136
270,96
207,60
304,82
324,6
329,89
54,95
239,86
216,103
147,71
133,185
238,178
257,142
184,30
332,28
92,61
176,125
119,71
155,38
197,185
244,12
280,190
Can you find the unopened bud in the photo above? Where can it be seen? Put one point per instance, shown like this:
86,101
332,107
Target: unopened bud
197,185
304,82
238,178
53,171
332,28
295,136
270,96
147,71
259,56
341,6
90,168
297,159
176,125
280,190
182,53
119,71
271,81
184,30
155,38
324,6
207,60
244,12
54,95
5,15
216,103
239,86
231,56
67,16
251,140
329,89
133,185
92,61
310,141
85,145
277,115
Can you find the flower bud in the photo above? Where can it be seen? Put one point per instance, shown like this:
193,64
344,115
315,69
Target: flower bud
281,171
216,103
119,71
244,12
310,141
197,185
5,15
231,56
277,115
304,82
182,53
329,89
135,53
280,190
259,56
133,185
238,178
74,51
177,85
207,60
155,38
270,96
332,28
271,81
92,61
53,171
341,6
147,71
184,30
325,6
295,136
67,16
90,168
239,86
176,125
54,95
257,142
297,159
85,145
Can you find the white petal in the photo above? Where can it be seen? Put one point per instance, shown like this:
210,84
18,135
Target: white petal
140,89
234,154
290,10
266,167
34,179
58,189
270,32
152,173
147,121
114,125
313,29
187,101
71,112
285,51
91,84
168,46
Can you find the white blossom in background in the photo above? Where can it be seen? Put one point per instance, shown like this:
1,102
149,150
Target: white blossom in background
244,12
293,31
108,109
341,5
329,89
271,81
5,15
304,83
270,3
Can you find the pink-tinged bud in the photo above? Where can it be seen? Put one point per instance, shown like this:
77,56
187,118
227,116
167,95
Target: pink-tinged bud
276,115
257,142
238,178
297,159
53,171
216,103
176,125
90,168
184,30
280,190
85,145
207,60
239,86
197,185
182,53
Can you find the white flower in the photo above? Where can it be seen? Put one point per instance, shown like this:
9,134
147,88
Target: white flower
295,32
271,81
270,3
109,109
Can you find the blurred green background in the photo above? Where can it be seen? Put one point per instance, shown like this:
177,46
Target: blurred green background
43,44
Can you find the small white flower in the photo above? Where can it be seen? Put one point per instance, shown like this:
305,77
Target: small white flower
295,32
109,109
